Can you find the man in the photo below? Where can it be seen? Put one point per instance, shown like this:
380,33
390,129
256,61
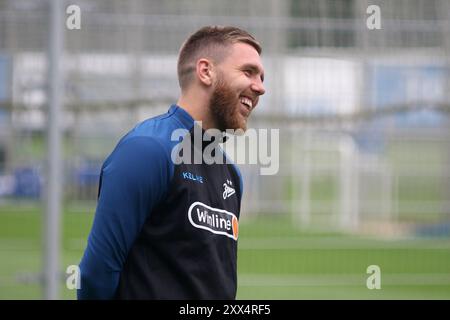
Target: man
168,230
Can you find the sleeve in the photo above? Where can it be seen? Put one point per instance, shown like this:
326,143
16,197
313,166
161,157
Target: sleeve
133,180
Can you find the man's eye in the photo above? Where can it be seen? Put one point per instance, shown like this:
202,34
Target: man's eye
248,73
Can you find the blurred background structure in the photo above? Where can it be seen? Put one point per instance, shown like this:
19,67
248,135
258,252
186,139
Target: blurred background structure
364,119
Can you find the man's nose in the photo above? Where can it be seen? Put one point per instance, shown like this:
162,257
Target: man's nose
258,87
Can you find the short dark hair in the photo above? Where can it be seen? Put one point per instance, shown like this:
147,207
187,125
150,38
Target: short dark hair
209,42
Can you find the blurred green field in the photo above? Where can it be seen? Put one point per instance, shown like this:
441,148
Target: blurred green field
276,261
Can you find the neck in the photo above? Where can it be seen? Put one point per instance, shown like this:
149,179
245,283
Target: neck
197,105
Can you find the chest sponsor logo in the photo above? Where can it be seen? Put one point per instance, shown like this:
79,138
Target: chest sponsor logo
214,220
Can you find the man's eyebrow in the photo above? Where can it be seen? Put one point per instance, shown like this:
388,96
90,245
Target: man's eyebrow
254,68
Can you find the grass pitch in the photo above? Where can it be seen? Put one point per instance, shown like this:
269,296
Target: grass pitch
276,260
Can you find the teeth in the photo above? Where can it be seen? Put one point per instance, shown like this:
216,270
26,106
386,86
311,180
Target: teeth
247,102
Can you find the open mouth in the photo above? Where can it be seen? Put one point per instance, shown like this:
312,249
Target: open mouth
247,102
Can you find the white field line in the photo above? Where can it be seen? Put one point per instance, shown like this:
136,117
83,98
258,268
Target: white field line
279,243
272,243
270,280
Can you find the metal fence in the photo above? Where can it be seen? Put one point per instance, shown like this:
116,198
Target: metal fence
364,115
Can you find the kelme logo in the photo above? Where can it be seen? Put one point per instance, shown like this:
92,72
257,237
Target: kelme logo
214,220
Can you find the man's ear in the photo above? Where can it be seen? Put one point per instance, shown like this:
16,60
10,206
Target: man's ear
205,73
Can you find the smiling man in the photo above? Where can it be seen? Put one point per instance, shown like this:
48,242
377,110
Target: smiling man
169,230
221,83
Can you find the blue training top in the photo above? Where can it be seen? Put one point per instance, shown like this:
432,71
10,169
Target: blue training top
162,230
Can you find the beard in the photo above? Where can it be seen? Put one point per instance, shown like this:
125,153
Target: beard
224,107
